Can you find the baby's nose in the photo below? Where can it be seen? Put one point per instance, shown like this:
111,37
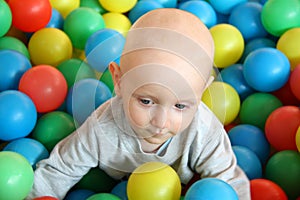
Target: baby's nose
159,117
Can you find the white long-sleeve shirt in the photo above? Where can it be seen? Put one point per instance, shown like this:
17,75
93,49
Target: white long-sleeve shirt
106,140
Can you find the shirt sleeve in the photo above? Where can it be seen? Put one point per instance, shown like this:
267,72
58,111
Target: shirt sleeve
217,160
68,162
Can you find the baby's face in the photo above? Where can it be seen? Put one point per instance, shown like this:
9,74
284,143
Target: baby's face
160,98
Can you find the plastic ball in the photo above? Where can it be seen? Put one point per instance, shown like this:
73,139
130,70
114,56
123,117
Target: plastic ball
18,115
94,4
202,9
223,100
167,3
254,44
251,137
75,70
294,82
233,75
287,43
118,6
79,194
81,106
153,180
31,149
12,66
64,7
12,43
107,79
120,190
46,86
49,46
96,180
277,16
31,15
103,196
18,34
56,20
250,24
52,127
248,161
141,8
212,189
16,176
266,69
45,198
6,18
266,189
117,21
225,7
285,94
106,42
262,103
229,44
81,23
281,127
283,169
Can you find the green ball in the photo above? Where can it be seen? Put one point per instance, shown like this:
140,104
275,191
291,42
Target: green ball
283,168
107,79
96,180
75,70
16,176
103,196
256,108
277,16
53,127
94,4
81,23
6,18
11,43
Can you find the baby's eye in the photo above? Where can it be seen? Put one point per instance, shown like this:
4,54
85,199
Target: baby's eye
180,106
146,101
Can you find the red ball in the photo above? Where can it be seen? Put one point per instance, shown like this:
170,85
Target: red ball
30,15
286,96
263,189
46,86
295,81
45,198
281,127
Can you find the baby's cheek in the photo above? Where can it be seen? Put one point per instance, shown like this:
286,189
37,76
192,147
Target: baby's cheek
138,116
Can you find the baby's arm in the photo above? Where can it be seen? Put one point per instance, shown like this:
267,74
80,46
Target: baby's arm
69,161
218,160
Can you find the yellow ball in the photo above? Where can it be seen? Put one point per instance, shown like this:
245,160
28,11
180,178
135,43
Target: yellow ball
154,180
289,43
229,44
64,7
49,46
298,138
117,21
223,100
120,6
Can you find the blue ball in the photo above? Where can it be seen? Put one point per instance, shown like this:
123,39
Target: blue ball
106,43
141,8
203,10
18,115
84,97
248,161
233,75
80,194
255,44
212,189
225,7
31,149
56,20
266,69
165,3
12,66
252,137
246,18
120,190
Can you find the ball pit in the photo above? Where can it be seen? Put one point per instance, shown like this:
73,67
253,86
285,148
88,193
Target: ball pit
64,49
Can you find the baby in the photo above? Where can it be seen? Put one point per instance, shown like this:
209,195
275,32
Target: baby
156,115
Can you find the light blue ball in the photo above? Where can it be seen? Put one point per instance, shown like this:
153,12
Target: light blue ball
211,189
56,20
80,194
141,8
266,69
120,190
248,161
225,7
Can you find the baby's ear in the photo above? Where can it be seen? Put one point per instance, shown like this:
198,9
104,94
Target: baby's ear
116,76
